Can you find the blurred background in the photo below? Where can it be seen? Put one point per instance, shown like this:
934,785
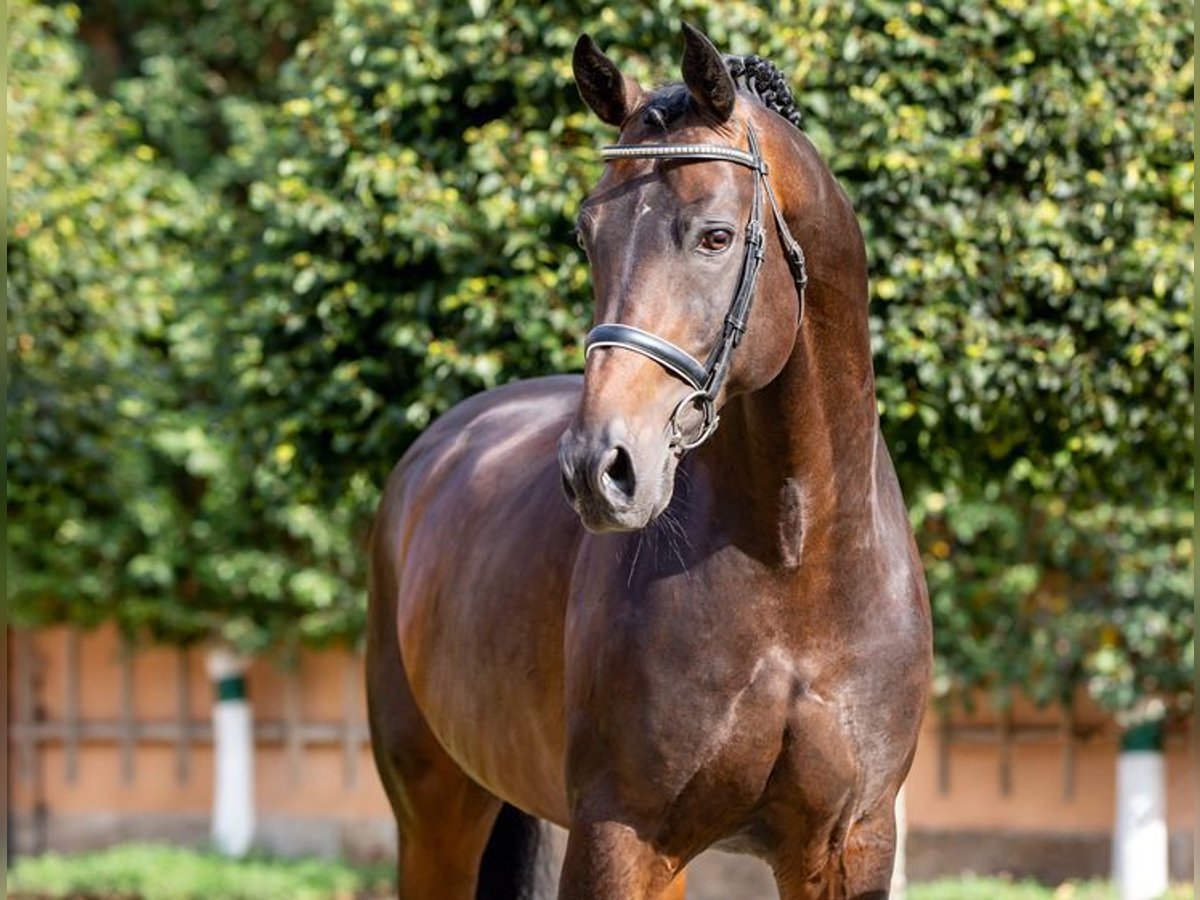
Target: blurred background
255,247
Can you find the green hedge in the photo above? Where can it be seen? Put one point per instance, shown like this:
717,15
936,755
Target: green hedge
371,212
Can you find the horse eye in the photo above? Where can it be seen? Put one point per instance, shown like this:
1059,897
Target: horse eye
716,240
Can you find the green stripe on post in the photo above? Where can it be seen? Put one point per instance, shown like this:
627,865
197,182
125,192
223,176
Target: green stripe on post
232,687
1145,736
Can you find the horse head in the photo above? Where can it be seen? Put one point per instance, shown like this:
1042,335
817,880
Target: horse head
676,232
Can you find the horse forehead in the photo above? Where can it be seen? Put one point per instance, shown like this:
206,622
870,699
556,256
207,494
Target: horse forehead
658,187
695,181
623,203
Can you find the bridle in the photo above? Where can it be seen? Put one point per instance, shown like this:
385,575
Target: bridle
706,378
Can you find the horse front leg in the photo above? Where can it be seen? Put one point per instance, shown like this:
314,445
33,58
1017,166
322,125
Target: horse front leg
607,860
862,870
870,854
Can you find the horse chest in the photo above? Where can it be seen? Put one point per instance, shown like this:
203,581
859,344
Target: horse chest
701,716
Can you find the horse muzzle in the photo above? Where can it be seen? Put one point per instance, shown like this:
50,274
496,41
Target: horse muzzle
600,477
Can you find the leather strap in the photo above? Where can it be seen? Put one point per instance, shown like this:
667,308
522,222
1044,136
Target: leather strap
674,359
791,249
739,308
684,151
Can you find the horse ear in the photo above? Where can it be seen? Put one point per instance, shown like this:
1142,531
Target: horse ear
611,95
706,76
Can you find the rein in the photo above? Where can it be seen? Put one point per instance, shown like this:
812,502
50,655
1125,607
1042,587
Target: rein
706,378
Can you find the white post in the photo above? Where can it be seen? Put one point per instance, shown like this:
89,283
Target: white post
233,753
1140,833
899,870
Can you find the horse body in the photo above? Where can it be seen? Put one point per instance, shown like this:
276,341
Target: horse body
482,586
748,670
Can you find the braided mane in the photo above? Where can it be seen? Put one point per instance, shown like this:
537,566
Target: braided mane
752,74
759,77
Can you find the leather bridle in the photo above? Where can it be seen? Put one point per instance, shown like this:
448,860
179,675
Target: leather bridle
706,378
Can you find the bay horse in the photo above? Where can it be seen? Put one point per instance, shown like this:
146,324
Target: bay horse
722,636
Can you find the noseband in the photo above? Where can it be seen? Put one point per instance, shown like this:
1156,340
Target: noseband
706,378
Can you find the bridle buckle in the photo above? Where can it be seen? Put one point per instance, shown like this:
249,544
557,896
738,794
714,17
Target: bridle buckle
708,409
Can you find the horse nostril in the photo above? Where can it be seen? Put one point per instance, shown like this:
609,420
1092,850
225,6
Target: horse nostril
619,472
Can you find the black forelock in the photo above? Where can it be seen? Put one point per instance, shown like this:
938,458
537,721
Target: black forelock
666,106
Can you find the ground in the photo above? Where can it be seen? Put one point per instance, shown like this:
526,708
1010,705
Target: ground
140,872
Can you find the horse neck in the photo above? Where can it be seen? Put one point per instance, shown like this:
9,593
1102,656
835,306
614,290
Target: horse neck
798,456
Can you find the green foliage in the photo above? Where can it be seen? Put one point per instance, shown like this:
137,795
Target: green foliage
134,495
1025,177
172,873
976,888
415,206
98,250
1036,597
301,232
176,64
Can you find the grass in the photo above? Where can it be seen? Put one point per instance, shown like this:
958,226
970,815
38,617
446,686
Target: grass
150,872
1006,889
146,872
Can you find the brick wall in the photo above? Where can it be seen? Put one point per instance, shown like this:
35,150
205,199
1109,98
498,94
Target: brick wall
111,743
